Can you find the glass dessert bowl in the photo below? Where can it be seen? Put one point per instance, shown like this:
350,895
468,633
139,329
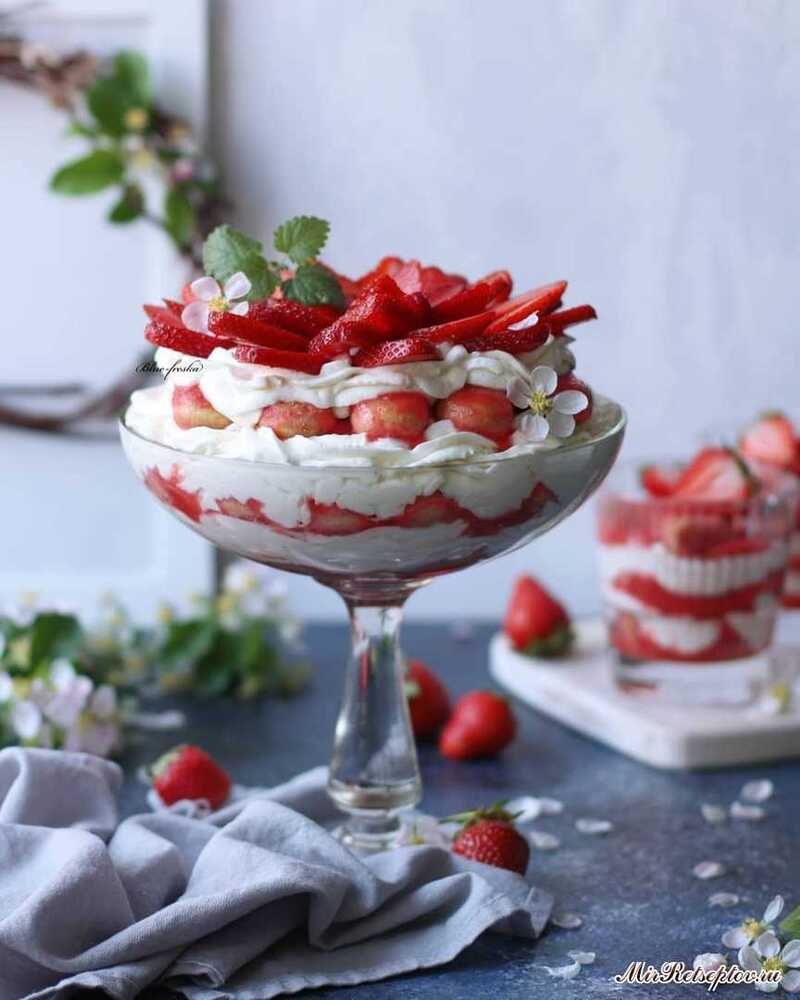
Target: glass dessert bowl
692,560
373,434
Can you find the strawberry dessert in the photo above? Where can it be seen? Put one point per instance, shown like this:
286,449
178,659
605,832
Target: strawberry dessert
692,559
403,385
772,442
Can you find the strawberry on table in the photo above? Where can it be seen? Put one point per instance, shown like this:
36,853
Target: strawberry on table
487,412
488,835
536,623
428,702
773,441
399,415
187,772
481,725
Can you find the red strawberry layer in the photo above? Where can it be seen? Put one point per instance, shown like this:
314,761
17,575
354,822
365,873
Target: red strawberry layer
649,592
629,638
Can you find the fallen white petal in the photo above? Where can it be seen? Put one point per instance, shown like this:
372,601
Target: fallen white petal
723,899
563,971
594,827
566,921
740,811
525,808
583,957
757,791
791,954
713,814
709,961
773,910
708,869
550,807
543,841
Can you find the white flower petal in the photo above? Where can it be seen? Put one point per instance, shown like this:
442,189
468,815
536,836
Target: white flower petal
570,401
240,309
791,954
237,286
773,910
519,392
724,899
593,827
736,937
767,987
708,869
26,719
713,814
748,958
709,961
544,379
205,289
195,317
563,971
561,424
757,791
566,921
583,957
740,811
791,982
6,687
104,702
62,674
543,841
550,807
767,945
534,428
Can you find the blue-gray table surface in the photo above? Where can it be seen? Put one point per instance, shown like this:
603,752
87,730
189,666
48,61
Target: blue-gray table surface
634,887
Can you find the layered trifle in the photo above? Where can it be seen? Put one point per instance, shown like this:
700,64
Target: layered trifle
692,560
404,385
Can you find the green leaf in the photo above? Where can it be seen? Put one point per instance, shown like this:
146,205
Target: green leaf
54,635
81,129
227,250
108,100
131,72
186,641
302,238
95,172
313,285
791,925
179,216
129,207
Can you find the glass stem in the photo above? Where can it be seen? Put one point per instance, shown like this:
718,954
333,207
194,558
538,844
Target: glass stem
374,773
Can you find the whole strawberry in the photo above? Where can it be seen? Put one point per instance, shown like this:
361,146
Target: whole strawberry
536,623
489,835
187,772
481,725
428,701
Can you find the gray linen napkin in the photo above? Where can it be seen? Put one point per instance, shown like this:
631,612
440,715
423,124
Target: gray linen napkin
253,901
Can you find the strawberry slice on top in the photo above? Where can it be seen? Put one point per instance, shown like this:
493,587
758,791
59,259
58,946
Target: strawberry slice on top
178,338
492,289
245,329
539,300
716,474
660,480
772,440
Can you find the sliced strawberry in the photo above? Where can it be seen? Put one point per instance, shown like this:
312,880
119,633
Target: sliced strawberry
247,330
295,419
540,300
690,535
272,358
330,519
434,284
425,511
397,352
164,315
294,316
738,547
248,510
492,289
338,339
569,381
178,338
176,308
510,341
457,331
715,474
487,412
169,491
772,440
659,480
558,322
399,415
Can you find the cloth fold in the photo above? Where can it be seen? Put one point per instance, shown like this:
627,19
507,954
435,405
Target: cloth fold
253,901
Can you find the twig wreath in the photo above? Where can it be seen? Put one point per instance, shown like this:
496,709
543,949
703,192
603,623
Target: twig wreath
130,139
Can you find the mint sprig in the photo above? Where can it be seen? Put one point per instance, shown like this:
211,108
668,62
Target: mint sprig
227,250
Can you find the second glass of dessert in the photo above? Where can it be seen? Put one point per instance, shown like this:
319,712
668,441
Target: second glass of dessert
692,562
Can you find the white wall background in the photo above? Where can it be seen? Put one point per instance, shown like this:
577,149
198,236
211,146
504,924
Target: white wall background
647,151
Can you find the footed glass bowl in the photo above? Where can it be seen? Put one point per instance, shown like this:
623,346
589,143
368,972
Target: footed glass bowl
375,534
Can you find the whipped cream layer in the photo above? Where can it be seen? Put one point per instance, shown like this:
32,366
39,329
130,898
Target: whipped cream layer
240,392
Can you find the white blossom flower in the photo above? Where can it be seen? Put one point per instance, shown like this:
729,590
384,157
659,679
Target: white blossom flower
708,869
550,412
6,687
751,929
103,703
71,692
26,719
98,738
209,297
709,961
423,829
767,955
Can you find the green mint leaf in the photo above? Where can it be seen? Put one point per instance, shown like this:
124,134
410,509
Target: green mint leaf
227,250
89,174
313,285
791,925
129,206
131,72
179,216
301,238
